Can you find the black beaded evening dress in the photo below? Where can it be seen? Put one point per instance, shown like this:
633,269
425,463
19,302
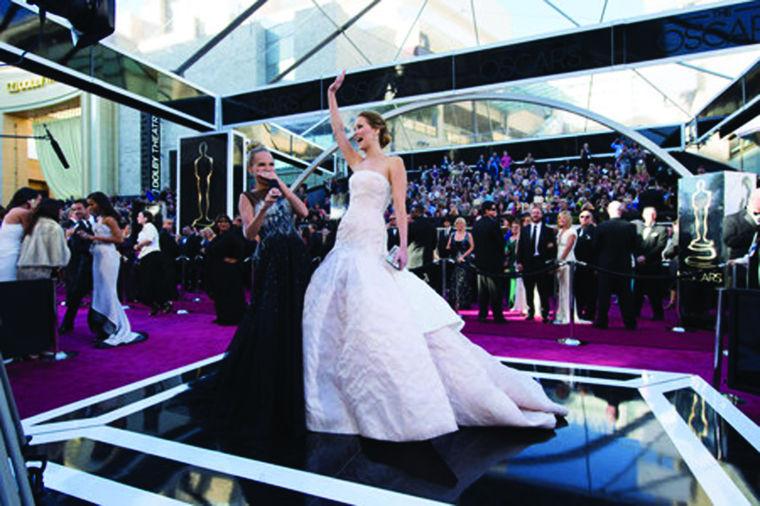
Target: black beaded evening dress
259,387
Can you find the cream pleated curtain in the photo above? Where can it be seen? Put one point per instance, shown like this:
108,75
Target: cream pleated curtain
63,183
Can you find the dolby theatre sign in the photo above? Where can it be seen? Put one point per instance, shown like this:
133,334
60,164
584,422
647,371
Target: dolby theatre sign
27,84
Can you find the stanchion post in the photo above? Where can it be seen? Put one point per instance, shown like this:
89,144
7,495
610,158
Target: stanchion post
571,340
718,358
183,261
571,295
443,261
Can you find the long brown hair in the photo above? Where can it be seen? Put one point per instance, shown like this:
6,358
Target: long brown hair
376,121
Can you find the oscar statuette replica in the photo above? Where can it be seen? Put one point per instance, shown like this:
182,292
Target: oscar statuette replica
702,252
204,169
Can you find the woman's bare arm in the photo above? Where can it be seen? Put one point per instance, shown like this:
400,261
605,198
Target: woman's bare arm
339,132
398,190
117,237
568,247
471,247
299,207
252,221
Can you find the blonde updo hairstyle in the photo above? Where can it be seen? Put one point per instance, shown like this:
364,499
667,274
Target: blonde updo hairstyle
252,152
377,122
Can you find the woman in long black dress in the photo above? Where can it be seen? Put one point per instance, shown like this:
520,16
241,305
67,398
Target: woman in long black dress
260,382
223,257
460,247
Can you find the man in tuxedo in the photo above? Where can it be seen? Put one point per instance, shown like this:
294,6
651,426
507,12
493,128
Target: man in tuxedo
392,232
489,259
585,277
78,274
652,242
443,238
535,251
443,253
741,233
422,243
615,243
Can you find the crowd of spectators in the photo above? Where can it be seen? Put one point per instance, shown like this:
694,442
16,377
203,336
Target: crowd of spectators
458,188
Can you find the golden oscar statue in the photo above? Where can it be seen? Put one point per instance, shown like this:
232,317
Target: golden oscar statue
204,169
702,250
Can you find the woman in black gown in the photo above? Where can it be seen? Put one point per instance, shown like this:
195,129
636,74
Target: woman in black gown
260,381
223,257
460,246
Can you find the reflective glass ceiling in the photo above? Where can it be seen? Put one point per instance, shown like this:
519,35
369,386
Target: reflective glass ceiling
663,94
367,32
304,39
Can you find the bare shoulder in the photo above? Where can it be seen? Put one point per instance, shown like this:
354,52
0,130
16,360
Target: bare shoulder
396,165
395,161
17,215
110,221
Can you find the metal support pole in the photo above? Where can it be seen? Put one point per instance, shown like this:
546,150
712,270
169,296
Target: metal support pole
571,340
718,353
183,260
443,261
14,479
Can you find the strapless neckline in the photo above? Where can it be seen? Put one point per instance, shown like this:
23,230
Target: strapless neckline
373,172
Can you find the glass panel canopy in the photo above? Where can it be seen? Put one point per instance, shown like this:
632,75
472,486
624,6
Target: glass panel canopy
364,32
663,94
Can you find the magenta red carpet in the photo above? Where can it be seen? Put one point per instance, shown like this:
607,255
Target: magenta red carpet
177,340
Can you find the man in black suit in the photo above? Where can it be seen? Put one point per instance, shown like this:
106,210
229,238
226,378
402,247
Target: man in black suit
615,244
169,254
535,251
443,253
741,233
392,232
585,277
422,244
78,274
652,242
489,259
443,238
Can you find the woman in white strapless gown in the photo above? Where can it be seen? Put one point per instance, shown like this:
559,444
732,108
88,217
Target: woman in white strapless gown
107,318
11,236
383,353
12,230
566,238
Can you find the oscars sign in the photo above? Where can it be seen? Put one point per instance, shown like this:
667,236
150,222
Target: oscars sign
703,202
702,250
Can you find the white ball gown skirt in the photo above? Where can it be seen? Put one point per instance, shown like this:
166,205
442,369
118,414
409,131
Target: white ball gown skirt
383,353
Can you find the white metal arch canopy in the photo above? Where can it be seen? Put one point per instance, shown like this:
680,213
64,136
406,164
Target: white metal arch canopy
511,97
